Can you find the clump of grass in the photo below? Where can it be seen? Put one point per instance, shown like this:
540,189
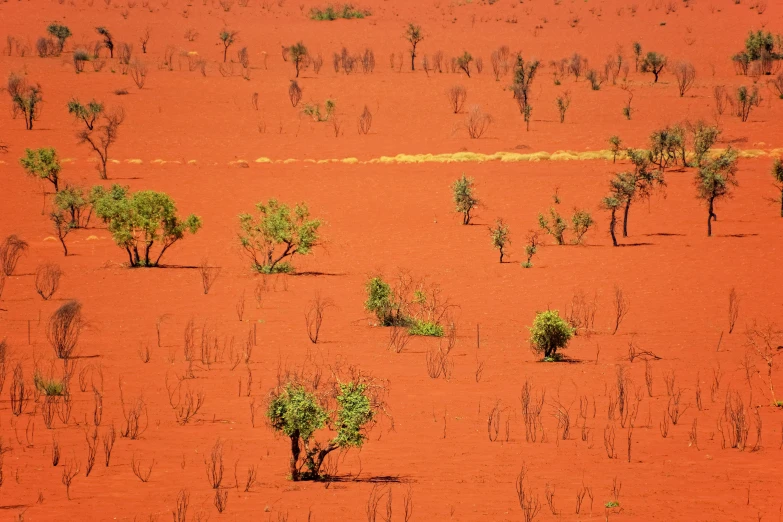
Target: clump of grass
333,12
612,504
48,387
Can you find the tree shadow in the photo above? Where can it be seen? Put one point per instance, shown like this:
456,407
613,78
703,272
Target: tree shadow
665,234
377,479
634,244
312,273
737,235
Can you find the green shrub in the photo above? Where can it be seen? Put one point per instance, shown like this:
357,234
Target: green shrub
464,197
299,413
61,32
499,235
334,12
43,164
653,63
73,201
137,221
277,234
550,333
463,62
581,222
554,226
380,301
426,328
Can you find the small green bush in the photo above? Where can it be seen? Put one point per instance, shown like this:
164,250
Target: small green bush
550,333
335,12
554,226
48,387
380,301
581,222
464,197
426,328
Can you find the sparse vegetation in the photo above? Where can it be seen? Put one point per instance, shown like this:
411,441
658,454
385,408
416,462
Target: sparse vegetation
464,197
549,334
334,12
653,63
43,164
715,181
499,236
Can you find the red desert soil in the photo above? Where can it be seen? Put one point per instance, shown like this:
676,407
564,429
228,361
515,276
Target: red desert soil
387,217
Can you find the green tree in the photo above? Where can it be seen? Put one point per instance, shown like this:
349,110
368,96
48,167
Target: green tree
43,164
464,197
654,63
277,234
73,201
760,44
715,181
549,334
140,220
531,247
299,413
664,146
298,55
777,175
612,203
704,137
414,36
381,302
101,129
638,185
61,32
227,38
62,227
463,62
616,144
25,98
554,226
524,74
499,235
581,221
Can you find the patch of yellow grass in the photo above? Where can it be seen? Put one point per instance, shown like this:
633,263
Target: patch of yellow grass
350,161
92,238
290,160
263,160
134,161
192,162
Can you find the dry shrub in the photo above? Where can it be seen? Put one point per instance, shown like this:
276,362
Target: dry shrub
10,251
457,96
318,62
685,73
65,326
314,316
47,279
208,274
365,121
294,93
477,122
138,72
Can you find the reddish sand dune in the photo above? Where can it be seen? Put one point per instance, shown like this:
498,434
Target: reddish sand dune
387,217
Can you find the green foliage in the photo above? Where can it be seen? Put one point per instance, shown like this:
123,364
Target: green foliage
616,144
777,171
524,74
380,301
463,62
43,164
48,387
139,220
715,180
581,222
499,236
426,328
25,98
299,413
335,12
531,247
61,32
612,504
664,146
73,201
314,111
464,197
554,226
563,103
654,63
88,113
278,233
759,44
704,137
550,333
298,54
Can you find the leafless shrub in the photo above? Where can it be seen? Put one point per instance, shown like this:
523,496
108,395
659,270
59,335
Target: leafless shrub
252,477
577,65
528,501
398,339
766,341
180,511
221,500
65,326
438,363
141,473
214,465
138,72
19,393
493,422
670,378
580,314
109,437
621,305
135,415
208,274
365,121
634,352
70,470
10,251
368,61
318,62
92,449
673,407
609,437
47,279
55,450
532,406
648,377
64,408
124,52
734,302
721,99
457,96
776,84
314,316
479,64
185,408
477,122
734,424
48,409
294,93
685,73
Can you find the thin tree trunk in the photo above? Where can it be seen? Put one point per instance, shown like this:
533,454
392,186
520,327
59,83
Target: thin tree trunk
295,450
710,216
612,224
625,217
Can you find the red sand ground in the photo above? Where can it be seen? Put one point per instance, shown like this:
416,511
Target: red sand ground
390,217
